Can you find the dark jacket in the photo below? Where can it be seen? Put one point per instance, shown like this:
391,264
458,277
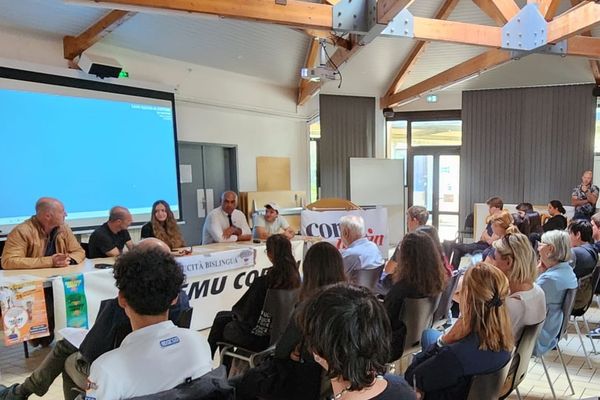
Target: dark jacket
444,373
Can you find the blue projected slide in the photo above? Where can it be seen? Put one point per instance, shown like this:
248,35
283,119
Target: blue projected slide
91,153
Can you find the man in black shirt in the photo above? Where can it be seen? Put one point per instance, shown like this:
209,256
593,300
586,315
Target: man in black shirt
109,239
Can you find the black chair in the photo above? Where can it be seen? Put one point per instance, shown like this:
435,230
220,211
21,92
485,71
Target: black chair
276,313
213,385
417,315
535,222
441,316
583,300
520,359
366,277
185,318
85,247
567,307
487,386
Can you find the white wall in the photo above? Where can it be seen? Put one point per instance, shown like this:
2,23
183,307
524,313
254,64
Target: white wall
212,106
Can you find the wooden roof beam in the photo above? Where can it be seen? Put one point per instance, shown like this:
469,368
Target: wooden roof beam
473,66
388,9
457,32
501,11
594,64
74,46
443,13
577,20
311,60
548,8
295,13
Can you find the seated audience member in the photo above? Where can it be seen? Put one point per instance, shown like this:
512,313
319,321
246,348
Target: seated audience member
226,224
149,359
526,303
243,325
109,239
596,231
42,241
420,273
433,234
360,252
556,276
584,197
271,223
502,224
295,374
163,226
480,341
74,363
495,206
416,216
584,255
344,317
521,217
557,220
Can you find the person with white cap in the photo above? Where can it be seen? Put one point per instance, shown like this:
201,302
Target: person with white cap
271,223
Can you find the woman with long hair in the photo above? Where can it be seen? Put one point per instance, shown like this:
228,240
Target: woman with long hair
419,274
433,234
293,374
514,256
163,226
348,332
237,326
480,341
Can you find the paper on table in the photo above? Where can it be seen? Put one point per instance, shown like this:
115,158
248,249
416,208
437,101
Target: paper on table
74,336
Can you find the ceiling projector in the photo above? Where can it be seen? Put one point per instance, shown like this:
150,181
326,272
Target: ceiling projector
320,73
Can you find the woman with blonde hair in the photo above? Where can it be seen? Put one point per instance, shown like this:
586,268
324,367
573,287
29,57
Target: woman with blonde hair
163,226
502,223
480,342
514,256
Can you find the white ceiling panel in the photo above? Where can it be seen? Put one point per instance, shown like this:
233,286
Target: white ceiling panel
52,17
266,51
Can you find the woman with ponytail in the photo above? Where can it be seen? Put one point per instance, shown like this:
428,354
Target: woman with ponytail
479,342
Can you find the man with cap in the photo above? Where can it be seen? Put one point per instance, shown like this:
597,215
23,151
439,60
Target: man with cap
271,223
226,223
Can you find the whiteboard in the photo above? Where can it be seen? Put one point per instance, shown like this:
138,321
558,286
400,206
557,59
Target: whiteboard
376,182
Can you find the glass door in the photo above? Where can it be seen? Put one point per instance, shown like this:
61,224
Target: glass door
436,178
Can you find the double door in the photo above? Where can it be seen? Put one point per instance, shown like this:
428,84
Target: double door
435,185
206,170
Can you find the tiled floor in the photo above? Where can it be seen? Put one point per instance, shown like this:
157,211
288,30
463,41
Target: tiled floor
14,368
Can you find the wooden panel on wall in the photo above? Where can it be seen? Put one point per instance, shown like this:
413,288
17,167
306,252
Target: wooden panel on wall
273,173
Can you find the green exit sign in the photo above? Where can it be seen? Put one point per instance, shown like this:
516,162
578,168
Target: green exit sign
123,74
432,98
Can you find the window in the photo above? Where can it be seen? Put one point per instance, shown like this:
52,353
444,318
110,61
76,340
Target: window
436,133
314,135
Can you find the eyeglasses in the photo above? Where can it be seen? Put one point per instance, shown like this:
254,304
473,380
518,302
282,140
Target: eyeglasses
506,239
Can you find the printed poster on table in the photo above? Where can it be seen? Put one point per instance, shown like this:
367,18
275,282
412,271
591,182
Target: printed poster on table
326,224
23,309
75,301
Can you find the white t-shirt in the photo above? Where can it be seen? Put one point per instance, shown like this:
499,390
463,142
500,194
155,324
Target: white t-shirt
150,360
526,308
272,228
216,222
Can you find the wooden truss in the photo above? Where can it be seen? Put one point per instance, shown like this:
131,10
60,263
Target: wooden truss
520,31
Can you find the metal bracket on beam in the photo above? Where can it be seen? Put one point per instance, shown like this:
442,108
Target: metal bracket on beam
526,31
402,25
351,16
559,48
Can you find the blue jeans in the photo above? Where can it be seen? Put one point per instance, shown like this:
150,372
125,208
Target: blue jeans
428,337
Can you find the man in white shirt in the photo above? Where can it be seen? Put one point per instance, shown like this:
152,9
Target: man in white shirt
271,223
226,224
360,253
157,355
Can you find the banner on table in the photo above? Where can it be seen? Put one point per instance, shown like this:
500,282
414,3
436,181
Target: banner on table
326,224
217,262
75,301
23,309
